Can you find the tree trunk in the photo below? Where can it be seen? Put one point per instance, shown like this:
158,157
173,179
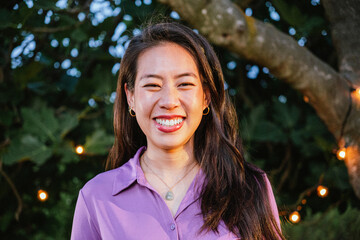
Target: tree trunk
224,24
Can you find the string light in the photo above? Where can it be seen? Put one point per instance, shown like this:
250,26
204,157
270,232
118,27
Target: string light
356,94
341,153
42,195
79,149
322,191
306,99
295,217
303,202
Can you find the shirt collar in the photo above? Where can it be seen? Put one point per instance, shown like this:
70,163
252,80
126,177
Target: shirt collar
131,171
128,173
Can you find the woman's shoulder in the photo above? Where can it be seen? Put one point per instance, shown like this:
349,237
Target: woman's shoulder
101,182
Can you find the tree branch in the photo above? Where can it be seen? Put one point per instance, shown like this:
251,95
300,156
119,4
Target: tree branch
56,29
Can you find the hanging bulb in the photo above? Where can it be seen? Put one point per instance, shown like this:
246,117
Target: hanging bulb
357,91
295,217
79,149
341,153
322,191
42,195
306,99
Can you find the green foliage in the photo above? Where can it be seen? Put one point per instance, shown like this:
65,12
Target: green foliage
41,135
57,88
99,142
295,17
331,225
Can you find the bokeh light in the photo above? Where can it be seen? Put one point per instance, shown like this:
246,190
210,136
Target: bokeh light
42,195
79,149
295,217
341,153
322,191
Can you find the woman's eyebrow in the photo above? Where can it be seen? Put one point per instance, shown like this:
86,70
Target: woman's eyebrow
151,76
186,74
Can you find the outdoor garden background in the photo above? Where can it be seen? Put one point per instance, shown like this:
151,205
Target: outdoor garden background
291,67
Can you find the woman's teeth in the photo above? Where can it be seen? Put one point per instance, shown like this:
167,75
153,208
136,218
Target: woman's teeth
169,123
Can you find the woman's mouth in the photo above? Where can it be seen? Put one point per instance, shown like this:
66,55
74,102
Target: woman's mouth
169,124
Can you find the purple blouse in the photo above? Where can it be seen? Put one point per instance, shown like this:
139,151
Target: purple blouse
120,204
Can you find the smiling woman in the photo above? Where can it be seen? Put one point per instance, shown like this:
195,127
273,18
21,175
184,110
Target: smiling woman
176,169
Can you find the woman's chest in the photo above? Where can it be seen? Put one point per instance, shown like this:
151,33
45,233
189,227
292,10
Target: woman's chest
149,217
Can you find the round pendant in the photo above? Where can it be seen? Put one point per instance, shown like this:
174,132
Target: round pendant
169,196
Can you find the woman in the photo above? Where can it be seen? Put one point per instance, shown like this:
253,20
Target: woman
191,180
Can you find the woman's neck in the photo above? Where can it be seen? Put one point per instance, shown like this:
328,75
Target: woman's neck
169,162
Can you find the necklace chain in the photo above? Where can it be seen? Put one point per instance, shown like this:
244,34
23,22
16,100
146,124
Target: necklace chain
169,195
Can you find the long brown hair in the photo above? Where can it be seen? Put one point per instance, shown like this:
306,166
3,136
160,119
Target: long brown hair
235,192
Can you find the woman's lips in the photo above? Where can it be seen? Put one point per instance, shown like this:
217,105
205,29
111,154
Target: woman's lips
167,125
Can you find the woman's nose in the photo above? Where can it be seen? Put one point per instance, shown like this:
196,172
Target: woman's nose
169,98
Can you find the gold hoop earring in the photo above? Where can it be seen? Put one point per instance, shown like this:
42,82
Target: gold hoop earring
132,112
206,111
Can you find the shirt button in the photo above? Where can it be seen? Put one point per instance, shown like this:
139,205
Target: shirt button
172,227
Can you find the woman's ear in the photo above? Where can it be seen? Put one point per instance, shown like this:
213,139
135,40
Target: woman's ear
129,97
207,98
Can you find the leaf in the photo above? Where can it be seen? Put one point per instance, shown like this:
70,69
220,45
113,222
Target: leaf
99,142
27,147
68,154
41,123
67,122
292,14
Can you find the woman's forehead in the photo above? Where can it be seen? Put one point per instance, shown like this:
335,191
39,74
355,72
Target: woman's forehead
166,58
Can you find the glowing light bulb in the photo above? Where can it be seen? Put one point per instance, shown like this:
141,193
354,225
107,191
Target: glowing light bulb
356,94
42,195
295,217
322,191
303,202
306,99
341,153
79,149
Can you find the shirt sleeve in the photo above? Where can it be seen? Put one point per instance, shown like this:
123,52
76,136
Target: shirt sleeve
272,202
83,227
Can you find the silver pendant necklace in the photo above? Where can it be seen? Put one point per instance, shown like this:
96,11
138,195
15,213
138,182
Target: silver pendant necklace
169,196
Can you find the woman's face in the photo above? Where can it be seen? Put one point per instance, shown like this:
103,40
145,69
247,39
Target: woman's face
168,97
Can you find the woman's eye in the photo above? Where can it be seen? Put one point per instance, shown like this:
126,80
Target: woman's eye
186,84
152,85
